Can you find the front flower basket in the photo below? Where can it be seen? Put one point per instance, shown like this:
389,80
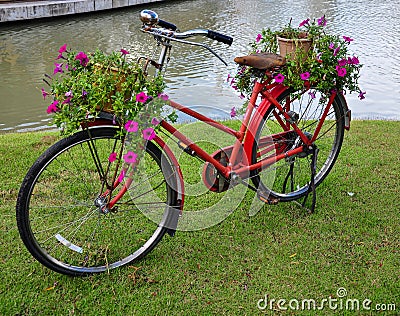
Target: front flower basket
289,47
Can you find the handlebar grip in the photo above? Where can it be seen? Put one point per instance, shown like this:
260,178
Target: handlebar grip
167,25
220,37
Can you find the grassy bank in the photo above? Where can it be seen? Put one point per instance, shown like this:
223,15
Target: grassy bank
350,242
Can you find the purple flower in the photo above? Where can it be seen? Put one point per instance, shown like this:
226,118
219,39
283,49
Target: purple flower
354,60
163,96
141,97
258,38
112,157
124,52
52,108
312,94
279,78
44,94
148,133
305,75
131,126
155,121
336,51
361,95
341,71
233,112
347,39
63,49
229,77
130,157
58,68
84,93
331,45
322,21
121,176
304,22
342,62
67,100
83,59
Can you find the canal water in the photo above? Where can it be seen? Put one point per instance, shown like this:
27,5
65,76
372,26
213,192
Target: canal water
28,50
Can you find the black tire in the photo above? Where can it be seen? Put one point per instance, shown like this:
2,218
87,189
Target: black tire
289,178
57,217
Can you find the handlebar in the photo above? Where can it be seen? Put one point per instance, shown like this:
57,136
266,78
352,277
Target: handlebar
169,32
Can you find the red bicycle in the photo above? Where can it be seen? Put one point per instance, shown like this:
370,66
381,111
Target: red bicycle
78,216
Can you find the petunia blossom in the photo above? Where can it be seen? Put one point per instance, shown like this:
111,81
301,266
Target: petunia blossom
112,157
52,108
336,51
312,94
83,59
121,176
354,60
332,46
341,71
258,38
130,157
322,21
148,133
342,62
347,39
304,22
233,112
361,95
142,97
44,94
57,68
229,77
155,121
131,126
279,78
163,96
305,75
84,93
63,49
124,52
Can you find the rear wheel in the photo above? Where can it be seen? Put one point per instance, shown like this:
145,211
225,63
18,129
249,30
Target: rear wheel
61,213
291,176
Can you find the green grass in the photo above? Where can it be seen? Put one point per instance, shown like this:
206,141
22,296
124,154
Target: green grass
282,251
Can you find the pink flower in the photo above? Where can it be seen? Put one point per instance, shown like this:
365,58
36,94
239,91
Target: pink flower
52,108
341,71
44,94
141,97
279,78
233,112
124,52
58,68
336,51
312,94
155,121
342,62
354,60
63,49
304,22
361,95
83,59
131,126
305,75
258,38
347,39
229,77
331,46
130,157
163,96
148,133
121,176
322,21
112,157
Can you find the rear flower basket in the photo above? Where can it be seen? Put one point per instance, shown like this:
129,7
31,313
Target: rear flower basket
83,84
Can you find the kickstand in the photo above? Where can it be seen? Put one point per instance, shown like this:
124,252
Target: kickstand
312,188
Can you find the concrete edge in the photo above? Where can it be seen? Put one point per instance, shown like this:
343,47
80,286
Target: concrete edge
21,11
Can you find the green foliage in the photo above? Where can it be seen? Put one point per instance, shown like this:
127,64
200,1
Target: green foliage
327,66
85,84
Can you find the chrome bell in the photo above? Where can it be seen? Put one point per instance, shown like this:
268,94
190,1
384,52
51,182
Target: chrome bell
148,17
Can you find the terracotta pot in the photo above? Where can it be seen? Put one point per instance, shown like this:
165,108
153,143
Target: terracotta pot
288,47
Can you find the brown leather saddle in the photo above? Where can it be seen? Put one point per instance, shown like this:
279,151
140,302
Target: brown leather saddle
262,61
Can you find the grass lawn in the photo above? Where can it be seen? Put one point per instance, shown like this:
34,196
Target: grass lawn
348,251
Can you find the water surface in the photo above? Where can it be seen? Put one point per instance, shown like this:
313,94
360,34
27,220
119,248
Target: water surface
28,50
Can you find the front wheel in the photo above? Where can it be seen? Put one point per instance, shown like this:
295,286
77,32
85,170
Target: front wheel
61,213
289,179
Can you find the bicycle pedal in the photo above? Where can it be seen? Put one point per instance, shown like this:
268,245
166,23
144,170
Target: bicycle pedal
267,200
